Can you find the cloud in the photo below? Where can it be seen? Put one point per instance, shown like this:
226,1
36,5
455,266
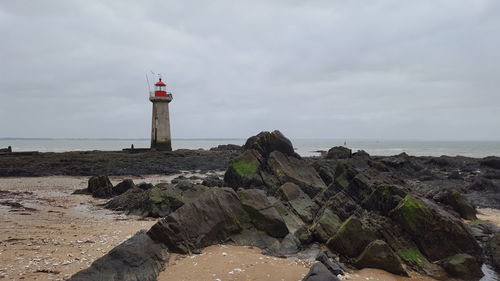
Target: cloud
338,69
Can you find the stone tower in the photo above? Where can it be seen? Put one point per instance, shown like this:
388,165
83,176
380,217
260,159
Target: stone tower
160,127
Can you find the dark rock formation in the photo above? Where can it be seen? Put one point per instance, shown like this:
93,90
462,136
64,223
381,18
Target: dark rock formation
226,147
100,187
352,237
137,259
493,250
339,152
262,213
462,266
303,206
211,219
123,186
458,203
243,171
379,255
325,225
319,272
492,162
266,142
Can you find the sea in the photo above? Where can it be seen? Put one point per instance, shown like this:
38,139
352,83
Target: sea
304,147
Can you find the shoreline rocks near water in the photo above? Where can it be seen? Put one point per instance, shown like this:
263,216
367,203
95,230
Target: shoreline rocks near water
395,213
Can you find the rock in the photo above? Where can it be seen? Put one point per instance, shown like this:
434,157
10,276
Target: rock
339,152
212,181
289,245
352,237
211,219
137,259
324,171
259,239
326,225
100,187
133,202
379,255
243,171
297,171
331,264
319,272
343,205
266,142
384,198
492,162
262,213
292,221
226,147
303,206
361,154
145,186
484,184
458,203
493,250
123,186
462,266
427,224
304,235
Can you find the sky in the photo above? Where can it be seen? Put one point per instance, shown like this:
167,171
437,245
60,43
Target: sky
366,69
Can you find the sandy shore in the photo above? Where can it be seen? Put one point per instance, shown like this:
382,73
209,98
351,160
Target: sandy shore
49,234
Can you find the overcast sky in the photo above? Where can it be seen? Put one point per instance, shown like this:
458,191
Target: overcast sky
382,69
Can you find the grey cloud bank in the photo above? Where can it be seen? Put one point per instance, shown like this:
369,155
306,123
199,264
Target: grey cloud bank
328,69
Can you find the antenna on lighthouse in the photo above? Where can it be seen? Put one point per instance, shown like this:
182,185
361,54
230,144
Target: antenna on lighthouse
149,86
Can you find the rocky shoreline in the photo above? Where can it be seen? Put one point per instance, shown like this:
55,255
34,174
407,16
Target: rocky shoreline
401,214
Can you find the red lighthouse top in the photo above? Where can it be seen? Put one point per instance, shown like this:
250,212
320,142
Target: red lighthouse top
160,89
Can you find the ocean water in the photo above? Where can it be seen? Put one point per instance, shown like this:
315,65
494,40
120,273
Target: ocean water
305,147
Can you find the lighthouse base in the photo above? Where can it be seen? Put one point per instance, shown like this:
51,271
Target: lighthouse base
162,146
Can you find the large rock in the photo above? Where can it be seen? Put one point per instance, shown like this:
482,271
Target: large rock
266,142
123,186
379,255
326,225
384,198
352,237
243,171
462,266
458,203
319,272
339,152
492,162
211,219
302,204
263,214
137,259
493,250
428,224
100,187
297,171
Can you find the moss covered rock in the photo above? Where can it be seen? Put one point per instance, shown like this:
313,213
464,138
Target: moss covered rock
243,171
301,204
326,225
384,198
352,237
458,203
428,224
462,266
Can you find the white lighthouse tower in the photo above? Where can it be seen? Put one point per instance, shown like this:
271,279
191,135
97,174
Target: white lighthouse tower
160,127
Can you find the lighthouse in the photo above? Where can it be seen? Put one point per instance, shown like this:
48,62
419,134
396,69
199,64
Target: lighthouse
160,127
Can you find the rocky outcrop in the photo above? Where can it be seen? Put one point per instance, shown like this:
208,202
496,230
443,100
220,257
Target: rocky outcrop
462,266
137,259
262,213
384,198
325,225
379,255
339,152
123,186
492,162
211,219
458,203
427,224
266,142
297,171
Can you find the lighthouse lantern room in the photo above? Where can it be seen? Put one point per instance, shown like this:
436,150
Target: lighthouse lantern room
160,127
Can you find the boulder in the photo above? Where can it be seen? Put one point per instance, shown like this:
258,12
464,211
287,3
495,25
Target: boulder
492,162
493,250
352,237
319,272
262,213
133,202
428,224
256,238
325,225
212,181
243,171
289,245
339,152
458,203
343,205
297,171
379,255
331,264
210,219
302,205
123,186
137,259
267,142
292,221
100,187
462,266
